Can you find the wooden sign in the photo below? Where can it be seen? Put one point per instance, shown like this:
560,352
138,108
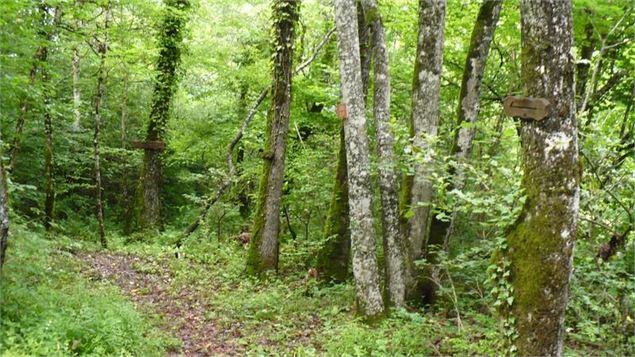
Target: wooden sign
148,145
340,111
526,107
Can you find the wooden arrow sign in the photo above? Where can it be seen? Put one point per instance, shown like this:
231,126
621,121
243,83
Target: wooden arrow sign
341,112
526,107
149,145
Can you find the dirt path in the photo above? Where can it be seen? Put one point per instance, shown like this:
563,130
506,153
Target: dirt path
182,311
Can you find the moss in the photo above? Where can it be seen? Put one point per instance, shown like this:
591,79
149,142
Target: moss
332,259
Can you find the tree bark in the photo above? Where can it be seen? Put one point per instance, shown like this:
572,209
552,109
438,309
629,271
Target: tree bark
467,113
4,212
333,258
102,50
49,203
541,242
417,189
170,39
365,271
388,181
263,249
77,96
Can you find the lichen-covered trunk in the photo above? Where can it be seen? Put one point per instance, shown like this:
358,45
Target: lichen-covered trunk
417,189
77,96
170,41
99,94
263,248
467,114
540,244
388,182
333,258
4,212
365,270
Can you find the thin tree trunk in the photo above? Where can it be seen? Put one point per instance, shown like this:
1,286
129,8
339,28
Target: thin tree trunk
365,270
49,203
24,109
417,190
332,260
467,113
127,199
4,212
170,39
541,242
263,248
77,98
388,181
102,50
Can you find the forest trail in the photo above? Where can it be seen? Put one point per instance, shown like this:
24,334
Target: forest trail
182,310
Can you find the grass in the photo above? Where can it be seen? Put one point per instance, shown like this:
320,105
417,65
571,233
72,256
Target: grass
50,308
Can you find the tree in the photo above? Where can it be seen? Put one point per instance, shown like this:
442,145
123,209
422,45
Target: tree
49,203
365,271
417,189
467,114
263,250
540,243
4,210
170,39
334,257
388,181
102,50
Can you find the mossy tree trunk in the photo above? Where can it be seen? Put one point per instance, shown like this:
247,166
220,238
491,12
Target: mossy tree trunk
170,42
417,190
264,245
467,114
365,270
4,210
540,244
333,258
102,50
388,182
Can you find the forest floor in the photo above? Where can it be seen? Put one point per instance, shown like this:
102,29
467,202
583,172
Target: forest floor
182,310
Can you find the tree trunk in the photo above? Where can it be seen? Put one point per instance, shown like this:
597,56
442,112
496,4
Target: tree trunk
333,258
102,50
77,99
541,242
170,39
49,203
365,269
4,211
263,249
467,113
417,190
128,209
24,109
388,181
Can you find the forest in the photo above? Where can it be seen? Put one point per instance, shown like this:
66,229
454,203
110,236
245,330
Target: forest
317,177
